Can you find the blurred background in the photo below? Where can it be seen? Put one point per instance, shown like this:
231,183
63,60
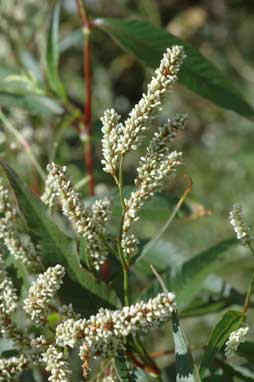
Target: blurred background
217,144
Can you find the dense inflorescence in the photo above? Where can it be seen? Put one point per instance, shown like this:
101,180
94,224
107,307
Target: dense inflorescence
10,235
119,138
106,332
234,340
56,365
111,130
11,368
158,163
240,227
165,76
88,223
41,293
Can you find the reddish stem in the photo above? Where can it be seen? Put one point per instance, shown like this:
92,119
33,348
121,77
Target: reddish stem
87,132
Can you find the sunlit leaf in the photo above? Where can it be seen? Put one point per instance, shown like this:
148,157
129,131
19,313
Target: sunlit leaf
231,320
148,43
186,281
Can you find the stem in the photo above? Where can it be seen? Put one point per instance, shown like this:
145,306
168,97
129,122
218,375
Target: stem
125,274
64,125
125,265
86,135
27,147
169,221
251,286
248,296
120,184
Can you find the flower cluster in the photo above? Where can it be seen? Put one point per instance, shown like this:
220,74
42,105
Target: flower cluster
88,223
158,163
10,330
240,227
165,76
234,341
119,138
8,293
106,332
11,368
129,245
56,365
25,252
41,293
8,305
111,130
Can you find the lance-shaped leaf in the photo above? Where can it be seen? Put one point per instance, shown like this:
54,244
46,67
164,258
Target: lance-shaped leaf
187,280
148,43
81,287
53,54
231,321
186,370
34,104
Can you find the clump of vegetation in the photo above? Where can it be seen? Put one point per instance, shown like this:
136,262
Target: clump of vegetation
84,294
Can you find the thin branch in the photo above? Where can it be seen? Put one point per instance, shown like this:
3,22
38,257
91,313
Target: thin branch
170,219
86,134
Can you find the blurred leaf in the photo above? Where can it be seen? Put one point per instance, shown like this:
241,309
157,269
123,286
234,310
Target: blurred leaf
186,370
34,104
17,94
58,248
124,373
75,38
163,255
53,53
159,207
187,281
231,320
246,350
150,9
200,306
230,370
148,43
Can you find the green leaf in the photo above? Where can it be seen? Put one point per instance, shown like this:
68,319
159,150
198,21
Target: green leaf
148,43
231,371
122,369
187,280
34,104
58,248
185,367
246,350
53,54
201,306
231,320
162,255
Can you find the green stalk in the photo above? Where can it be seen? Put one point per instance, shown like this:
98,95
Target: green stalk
248,295
251,286
125,265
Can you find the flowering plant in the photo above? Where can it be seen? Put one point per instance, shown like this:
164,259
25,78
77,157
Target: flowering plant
81,293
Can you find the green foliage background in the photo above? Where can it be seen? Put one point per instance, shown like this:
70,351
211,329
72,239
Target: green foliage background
42,91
